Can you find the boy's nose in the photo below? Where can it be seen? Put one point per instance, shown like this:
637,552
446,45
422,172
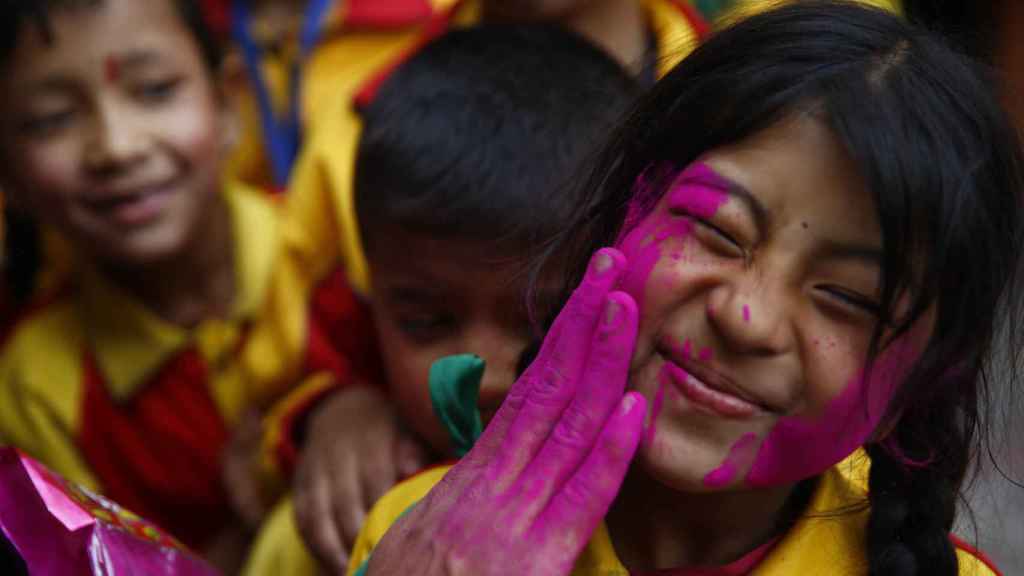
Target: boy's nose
501,356
117,141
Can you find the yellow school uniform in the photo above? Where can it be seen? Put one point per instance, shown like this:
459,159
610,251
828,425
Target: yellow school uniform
828,539
114,398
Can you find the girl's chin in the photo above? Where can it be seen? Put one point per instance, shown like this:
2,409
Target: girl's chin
691,469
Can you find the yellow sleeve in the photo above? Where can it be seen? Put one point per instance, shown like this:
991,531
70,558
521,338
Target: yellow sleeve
388,510
40,392
278,548
971,564
278,450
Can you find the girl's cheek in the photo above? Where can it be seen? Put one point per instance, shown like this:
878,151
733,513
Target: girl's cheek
799,447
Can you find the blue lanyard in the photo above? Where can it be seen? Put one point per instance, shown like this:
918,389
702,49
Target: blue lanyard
282,134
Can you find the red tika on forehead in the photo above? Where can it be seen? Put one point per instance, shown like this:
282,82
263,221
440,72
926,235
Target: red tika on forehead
111,69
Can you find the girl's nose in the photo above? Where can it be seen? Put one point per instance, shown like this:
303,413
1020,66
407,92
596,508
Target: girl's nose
751,317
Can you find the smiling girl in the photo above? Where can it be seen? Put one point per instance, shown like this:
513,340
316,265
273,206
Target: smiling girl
778,368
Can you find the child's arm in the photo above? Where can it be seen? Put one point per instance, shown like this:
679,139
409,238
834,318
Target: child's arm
355,451
527,497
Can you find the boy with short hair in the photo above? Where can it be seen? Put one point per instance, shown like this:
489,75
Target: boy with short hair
467,158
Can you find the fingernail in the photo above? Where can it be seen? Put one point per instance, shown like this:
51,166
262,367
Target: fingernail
600,264
627,402
612,314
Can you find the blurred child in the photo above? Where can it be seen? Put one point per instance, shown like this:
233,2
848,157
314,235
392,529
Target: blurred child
113,133
778,368
458,175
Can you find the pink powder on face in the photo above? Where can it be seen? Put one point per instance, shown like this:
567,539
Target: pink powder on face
798,448
726,473
698,190
706,354
746,313
659,398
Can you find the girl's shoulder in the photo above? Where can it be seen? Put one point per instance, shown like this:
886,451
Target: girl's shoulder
390,508
973,562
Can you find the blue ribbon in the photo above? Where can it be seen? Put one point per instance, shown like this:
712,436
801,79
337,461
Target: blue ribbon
282,134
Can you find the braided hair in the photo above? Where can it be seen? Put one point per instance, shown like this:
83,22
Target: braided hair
943,162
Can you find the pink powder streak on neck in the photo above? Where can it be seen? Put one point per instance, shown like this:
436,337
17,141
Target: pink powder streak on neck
725,474
746,313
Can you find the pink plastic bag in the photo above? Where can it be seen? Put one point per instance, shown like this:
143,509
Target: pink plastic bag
60,528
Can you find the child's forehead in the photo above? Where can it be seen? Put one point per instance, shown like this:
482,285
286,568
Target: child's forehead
75,34
411,265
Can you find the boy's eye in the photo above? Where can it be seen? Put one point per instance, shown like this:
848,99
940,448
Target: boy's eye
426,327
157,92
42,125
851,299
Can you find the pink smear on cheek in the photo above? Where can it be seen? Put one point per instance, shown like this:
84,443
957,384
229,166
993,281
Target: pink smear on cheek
700,190
706,355
798,448
746,313
659,398
726,473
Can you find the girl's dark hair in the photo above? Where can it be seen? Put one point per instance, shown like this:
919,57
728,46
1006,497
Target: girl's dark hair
17,13
943,163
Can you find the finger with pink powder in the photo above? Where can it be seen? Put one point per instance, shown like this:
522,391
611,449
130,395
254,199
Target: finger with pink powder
550,383
597,395
565,527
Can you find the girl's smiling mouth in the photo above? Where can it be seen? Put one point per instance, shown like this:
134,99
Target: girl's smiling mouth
710,390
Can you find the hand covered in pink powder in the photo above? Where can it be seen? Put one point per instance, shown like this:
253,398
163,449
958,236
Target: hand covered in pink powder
528,496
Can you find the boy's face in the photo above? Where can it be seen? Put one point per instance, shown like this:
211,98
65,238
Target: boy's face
436,297
114,132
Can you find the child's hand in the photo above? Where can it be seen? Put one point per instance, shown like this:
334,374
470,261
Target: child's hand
354,452
528,496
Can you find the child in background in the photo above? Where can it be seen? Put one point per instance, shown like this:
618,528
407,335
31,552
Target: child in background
817,219
457,177
113,133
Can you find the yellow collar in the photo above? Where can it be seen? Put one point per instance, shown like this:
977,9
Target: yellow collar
130,343
828,538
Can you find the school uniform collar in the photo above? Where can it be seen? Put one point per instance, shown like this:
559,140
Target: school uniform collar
829,537
130,344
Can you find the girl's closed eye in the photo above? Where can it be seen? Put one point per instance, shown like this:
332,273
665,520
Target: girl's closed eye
850,301
715,236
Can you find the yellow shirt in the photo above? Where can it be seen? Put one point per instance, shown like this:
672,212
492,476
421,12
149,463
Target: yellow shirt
823,541
42,363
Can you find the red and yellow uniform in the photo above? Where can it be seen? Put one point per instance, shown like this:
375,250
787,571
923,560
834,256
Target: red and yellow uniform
116,399
829,537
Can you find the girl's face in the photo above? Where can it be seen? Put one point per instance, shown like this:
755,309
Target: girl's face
114,132
757,275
